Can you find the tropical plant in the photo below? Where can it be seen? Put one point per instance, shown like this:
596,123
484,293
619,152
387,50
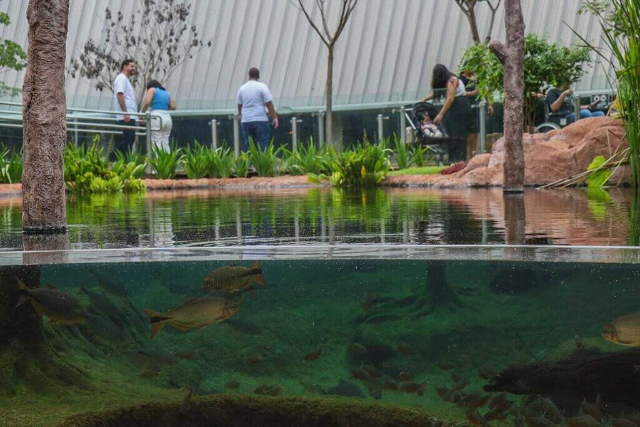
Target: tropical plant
545,65
620,22
308,159
403,157
195,161
221,163
241,165
82,165
418,153
131,156
12,57
362,165
165,163
264,161
11,167
130,174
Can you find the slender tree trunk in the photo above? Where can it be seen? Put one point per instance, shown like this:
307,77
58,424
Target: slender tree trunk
44,112
514,220
473,23
512,56
330,98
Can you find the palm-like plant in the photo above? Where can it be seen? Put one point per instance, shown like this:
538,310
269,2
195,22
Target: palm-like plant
165,163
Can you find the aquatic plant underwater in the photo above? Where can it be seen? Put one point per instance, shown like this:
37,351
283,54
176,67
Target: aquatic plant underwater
466,342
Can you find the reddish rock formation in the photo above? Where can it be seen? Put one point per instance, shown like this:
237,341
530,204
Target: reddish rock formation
548,157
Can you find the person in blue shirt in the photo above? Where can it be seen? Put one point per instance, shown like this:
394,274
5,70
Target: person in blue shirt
158,99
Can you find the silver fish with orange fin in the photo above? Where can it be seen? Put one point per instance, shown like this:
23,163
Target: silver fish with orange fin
625,330
196,313
233,278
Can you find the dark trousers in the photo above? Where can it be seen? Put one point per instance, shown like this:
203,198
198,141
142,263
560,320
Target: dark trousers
126,140
259,132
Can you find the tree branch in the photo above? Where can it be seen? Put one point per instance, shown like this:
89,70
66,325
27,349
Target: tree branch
499,50
311,22
494,10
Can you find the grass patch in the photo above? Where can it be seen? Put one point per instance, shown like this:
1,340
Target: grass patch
426,170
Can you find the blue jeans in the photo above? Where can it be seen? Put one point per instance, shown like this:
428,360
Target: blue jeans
584,114
259,132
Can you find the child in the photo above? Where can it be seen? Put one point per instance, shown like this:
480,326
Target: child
428,127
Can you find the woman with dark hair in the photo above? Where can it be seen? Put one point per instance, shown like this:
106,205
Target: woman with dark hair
455,114
158,99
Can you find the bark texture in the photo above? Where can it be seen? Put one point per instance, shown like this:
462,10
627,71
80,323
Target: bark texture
511,55
514,220
44,112
329,119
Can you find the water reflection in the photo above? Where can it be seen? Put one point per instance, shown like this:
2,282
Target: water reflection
303,216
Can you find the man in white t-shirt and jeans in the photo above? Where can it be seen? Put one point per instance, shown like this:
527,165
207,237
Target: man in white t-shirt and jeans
125,101
253,97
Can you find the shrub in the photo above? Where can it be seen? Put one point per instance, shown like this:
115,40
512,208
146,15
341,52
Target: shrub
241,165
363,165
308,159
10,168
82,165
264,161
195,161
220,163
165,163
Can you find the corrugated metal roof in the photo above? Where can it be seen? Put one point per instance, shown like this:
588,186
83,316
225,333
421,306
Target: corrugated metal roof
385,54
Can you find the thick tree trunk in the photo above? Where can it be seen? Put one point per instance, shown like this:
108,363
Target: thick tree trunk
512,56
44,112
330,98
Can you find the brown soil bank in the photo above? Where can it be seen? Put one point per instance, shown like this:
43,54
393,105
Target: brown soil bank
246,410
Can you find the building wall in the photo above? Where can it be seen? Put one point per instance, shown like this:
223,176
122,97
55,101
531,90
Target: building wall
385,54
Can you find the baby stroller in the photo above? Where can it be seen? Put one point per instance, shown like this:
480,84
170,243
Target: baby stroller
415,117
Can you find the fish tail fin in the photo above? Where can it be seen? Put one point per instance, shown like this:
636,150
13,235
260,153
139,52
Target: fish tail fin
155,328
23,292
259,278
152,313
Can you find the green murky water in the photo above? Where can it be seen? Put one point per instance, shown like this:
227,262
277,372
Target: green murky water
419,334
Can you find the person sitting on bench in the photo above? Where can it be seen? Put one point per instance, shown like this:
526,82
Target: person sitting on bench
559,103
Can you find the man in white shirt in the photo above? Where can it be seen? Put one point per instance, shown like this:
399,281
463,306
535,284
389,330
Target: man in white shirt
253,97
125,101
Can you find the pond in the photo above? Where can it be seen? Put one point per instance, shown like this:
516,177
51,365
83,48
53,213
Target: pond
329,216
394,336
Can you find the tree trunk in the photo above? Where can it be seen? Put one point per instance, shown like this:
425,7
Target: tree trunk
330,98
44,113
473,23
514,220
512,56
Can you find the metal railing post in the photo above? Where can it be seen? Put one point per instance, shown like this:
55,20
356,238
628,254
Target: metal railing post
576,106
75,131
320,115
483,126
294,133
214,134
403,125
147,123
381,119
236,134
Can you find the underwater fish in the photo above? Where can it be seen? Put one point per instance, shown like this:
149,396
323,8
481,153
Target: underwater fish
109,285
622,422
583,421
368,303
357,349
538,422
195,313
498,400
149,373
185,355
474,400
360,374
578,339
404,348
186,401
308,386
475,418
592,409
314,355
412,388
625,330
269,390
345,388
254,360
56,305
103,327
232,384
372,371
233,278
101,303
446,366
442,392
404,376
487,373
390,384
